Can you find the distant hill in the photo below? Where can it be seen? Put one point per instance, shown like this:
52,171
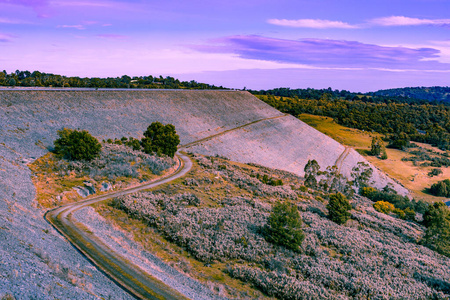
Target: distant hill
434,93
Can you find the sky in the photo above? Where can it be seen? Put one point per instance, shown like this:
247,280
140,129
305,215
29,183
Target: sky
361,46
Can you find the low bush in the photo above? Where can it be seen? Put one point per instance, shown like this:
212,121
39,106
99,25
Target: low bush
384,207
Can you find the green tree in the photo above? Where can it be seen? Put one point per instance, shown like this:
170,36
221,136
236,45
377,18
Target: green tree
312,167
377,148
159,138
76,145
437,235
338,208
284,226
441,188
311,170
361,174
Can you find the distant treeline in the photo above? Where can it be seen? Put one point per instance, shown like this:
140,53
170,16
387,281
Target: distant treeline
435,93
400,121
38,79
417,95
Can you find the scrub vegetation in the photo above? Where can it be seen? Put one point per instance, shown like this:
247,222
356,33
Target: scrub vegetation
284,241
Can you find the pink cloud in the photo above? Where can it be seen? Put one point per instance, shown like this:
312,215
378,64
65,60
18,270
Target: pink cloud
79,27
112,36
311,23
5,38
406,21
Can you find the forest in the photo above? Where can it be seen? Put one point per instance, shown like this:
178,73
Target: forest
400,121
40,79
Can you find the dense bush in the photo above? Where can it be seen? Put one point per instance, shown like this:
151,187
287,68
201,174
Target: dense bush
441,188
284,226
435,172
401,202
77,145
384,207
338,208
160,139
437,235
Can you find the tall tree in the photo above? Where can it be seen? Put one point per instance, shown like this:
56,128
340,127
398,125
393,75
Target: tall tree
160,139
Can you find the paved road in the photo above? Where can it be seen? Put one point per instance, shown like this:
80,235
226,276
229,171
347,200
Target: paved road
130,277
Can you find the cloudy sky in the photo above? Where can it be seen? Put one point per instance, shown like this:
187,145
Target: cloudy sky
358,45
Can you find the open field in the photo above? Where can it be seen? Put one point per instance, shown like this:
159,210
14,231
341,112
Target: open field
412,177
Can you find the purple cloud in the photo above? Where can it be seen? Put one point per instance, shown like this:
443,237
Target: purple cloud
39,6
5,38
326,53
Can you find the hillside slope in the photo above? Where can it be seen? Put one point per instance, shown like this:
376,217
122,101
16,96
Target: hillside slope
36,261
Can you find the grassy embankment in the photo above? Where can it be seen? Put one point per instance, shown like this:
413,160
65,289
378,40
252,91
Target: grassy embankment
413,177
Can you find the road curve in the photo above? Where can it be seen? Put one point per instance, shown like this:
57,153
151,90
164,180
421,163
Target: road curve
130,277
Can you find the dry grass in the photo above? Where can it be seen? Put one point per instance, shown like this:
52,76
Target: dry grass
414,178
55,188
347,136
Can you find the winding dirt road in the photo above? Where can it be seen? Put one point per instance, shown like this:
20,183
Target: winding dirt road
127,275
130,277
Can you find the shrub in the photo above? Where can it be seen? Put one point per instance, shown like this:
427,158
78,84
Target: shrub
410,214
338,208
437,235
400,213
284,226
441,188
384,207
367,191
434,172
77,145
160,139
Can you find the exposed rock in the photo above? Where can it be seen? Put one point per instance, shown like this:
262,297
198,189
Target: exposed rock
105,186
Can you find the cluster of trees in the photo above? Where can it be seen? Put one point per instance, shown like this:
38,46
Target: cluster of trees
331,181
436,216
81,145
441,188
284,225
158,138
410,95
389,195
434,93
40,79
402,122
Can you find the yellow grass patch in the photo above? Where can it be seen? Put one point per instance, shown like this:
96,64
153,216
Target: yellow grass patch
414,178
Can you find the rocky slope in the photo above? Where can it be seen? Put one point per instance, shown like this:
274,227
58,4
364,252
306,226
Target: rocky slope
36,261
